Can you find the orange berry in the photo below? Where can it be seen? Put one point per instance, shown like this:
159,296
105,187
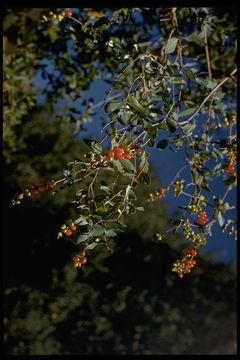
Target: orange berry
41,188
202,218
194,252
110,154
68,13
162,191
68,232
126,148
128,156
83,260
82,253
119,153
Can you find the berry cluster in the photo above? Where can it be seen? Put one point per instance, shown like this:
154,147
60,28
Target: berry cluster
186,264
189,234
178,187
79,259
160,193
190,252
194,208
198,162
123,152
67,230
230,167
34,190
230,118
202,217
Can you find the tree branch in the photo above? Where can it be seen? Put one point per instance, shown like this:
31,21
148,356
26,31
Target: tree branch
208,97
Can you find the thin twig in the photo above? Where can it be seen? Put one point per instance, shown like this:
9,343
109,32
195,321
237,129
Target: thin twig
176,176
166,116
208,97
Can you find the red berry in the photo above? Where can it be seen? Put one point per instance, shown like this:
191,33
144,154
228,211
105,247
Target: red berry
68,13
162,191
230,169
82,253
41,188
83,260
202,218
51,185
194,252
126,148
110,154
194,262
68,232
186,251
119,154
128,156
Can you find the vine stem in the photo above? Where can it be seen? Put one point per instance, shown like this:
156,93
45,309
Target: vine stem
208,97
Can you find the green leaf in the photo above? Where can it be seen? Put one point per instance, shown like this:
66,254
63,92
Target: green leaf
187,112
128,165
94,145
124,116
97,230
118,166
227,206
139,208
171,126
144,166
197,189
162,126
105,188
152,132
205,186
110,233
81,221
197,38
232,180
91,246
134,104
189,128
162,144
145,178
82,238
220,218
113,106
170,45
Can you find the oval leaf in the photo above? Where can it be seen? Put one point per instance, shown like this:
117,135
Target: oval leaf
170,45
134,104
